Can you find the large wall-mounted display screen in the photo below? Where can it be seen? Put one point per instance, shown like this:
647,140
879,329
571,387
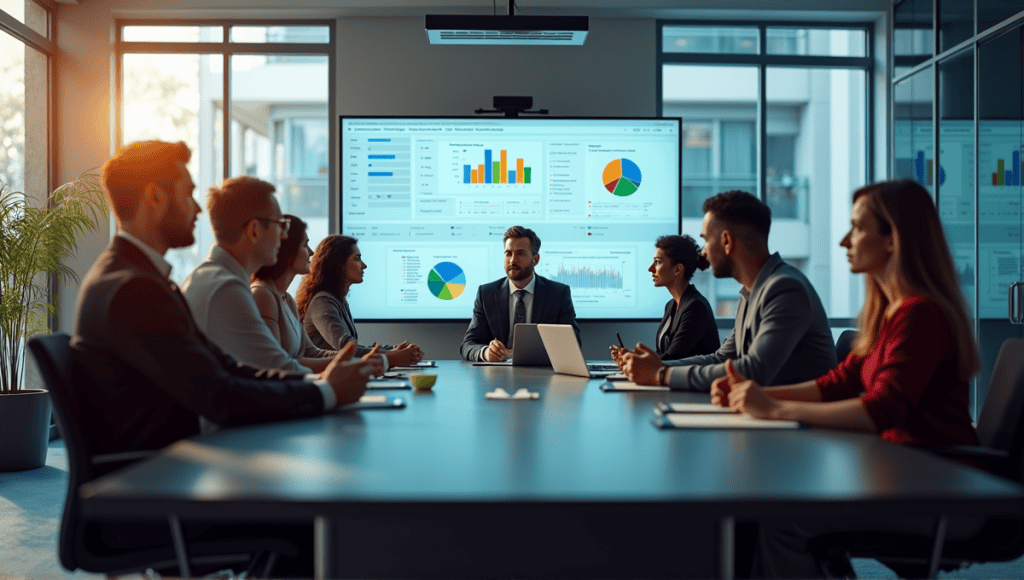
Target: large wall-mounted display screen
430,198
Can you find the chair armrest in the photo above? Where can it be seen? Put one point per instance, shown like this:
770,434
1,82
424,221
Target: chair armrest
121,457
974,451
996,461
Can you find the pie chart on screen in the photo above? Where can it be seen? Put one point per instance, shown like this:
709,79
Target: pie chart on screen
446,280
622,177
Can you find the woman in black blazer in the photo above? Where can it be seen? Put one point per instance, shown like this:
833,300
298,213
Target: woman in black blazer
688,327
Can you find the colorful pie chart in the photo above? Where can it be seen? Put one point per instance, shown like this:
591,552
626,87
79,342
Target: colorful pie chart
447,281
622,177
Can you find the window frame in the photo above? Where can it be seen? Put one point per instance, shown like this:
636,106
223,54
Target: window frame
47,47
227,49
762,60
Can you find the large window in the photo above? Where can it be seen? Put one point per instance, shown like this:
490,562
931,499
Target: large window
25,47
249,98
780,111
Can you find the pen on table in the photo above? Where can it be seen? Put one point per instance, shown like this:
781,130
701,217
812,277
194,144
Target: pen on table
620,340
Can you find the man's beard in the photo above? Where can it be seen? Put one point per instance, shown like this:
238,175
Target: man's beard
521,274
722,270
174,232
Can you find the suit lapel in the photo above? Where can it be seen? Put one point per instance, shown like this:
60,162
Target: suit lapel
540,296
501,307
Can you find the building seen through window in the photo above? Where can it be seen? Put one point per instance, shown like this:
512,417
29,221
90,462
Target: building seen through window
278,110
814,147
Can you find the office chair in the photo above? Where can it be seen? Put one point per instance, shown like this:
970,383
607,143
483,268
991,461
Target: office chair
1001,435
844,344
77,545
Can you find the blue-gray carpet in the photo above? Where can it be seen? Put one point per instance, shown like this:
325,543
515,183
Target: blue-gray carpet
31,504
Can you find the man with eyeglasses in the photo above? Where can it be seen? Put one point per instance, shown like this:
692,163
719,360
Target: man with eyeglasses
248,228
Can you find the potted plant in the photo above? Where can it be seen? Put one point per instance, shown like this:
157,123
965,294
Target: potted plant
35,239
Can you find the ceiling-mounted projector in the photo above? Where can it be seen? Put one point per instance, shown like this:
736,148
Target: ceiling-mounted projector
507,30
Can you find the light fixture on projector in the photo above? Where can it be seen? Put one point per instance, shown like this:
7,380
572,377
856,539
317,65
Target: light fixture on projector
507,30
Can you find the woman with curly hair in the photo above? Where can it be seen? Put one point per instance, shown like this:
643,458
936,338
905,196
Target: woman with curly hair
688,327
322,305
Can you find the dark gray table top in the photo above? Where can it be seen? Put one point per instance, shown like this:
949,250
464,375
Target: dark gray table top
575,445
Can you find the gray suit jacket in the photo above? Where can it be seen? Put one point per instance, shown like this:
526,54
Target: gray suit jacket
552,304
781,335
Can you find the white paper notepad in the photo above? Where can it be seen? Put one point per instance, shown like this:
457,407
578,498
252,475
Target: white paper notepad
666,408
623,386
721,421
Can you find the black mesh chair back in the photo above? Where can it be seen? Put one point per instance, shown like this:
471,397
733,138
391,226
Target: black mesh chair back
844,344
56,360
1000,419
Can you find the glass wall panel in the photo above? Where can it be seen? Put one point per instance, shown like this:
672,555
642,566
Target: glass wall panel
279,133
956,166
816,41
913,145
710,39
956,22
1000,146
992,12
816,153
178,97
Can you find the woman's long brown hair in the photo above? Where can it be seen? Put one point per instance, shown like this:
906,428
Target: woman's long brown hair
326,271
923,266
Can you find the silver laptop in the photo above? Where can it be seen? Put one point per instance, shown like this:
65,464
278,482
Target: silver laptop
527,349
567,356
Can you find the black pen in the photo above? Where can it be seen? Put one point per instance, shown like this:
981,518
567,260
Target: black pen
620,340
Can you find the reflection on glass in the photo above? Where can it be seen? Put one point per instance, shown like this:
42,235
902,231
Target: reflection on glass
175,97
913,147
956,166
279,34
172,34
913,34
816,153
956,22
816,41
710,39
1000,145
282,135
992,12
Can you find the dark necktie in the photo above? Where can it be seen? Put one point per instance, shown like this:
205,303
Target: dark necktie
520,314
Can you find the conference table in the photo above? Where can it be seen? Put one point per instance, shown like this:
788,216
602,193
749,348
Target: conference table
577,483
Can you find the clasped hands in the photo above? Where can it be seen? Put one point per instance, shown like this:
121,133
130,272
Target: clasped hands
348,377
644,367
641,366
743,395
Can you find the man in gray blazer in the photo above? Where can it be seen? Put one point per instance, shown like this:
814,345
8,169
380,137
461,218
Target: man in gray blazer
781,335
522,296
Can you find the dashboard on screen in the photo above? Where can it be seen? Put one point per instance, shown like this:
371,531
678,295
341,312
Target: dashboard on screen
429,200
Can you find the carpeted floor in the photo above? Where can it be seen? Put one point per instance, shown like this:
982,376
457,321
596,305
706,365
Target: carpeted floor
30,511
31,504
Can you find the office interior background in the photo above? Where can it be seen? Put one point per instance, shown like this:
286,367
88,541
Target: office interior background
800,102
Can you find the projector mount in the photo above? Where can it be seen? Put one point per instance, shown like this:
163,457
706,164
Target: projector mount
512,106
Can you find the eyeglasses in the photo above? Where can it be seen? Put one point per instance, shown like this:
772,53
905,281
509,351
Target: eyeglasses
283,222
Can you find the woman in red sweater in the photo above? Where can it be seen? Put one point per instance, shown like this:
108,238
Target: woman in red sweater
912,360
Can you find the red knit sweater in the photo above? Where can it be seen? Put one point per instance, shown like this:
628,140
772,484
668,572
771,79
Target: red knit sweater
909,381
